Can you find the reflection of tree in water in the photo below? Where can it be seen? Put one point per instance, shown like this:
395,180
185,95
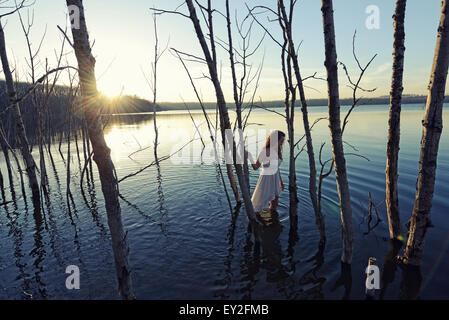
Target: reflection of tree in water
411,282
17,234
310,277
250,265
411,275
389,267
268,237
161,199
38,252
345,280
226,281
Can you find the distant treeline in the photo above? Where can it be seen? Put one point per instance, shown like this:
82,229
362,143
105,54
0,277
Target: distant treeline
407,99
55,113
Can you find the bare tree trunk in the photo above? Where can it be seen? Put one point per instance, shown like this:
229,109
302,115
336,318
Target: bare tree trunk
289,118
394,121
20,129
237,97
5,148
221,103
48,129
233,183
305,117
432,127
85,154
44,181
76,143
102,157
156,59
229,172
60,142
335,129
90,172
68,192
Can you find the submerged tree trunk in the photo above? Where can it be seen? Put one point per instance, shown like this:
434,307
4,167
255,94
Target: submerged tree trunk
5,148
432,127
237,98
221,103
213,61
20,128
305,117
156,58
68,192
44,181
290,102
101,156
394,121
335,129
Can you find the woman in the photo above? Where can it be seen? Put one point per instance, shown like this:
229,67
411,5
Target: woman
270,184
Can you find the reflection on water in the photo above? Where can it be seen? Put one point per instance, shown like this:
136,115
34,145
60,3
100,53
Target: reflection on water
267,236
185,244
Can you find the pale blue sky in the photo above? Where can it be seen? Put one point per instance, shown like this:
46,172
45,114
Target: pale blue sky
123,34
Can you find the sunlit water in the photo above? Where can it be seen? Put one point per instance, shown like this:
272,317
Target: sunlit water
182,239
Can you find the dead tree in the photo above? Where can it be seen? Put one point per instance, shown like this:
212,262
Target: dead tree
287,26
5,148
72,93
210,59
355,86
391,171
432,127
20,129
240,86
91,104
335,130
153,82
156,58
213,63
289,102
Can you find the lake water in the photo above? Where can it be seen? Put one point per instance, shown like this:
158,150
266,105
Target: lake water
184,243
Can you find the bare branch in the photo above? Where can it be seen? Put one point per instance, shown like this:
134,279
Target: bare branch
16,8
162,11
65,36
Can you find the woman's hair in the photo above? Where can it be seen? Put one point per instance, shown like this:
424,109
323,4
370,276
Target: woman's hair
280,135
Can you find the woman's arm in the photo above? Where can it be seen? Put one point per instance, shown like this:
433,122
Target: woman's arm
282,184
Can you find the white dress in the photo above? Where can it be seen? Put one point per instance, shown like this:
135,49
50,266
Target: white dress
269,183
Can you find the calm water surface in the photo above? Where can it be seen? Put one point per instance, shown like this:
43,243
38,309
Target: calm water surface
184,242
